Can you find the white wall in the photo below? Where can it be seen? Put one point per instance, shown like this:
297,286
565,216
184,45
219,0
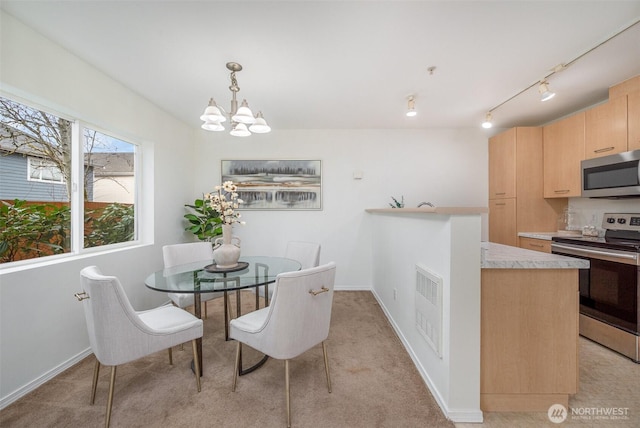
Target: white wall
449,247
446,167
42,327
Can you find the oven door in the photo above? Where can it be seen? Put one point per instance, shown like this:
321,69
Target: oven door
609,288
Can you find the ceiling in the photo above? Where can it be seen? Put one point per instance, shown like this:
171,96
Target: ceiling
352,64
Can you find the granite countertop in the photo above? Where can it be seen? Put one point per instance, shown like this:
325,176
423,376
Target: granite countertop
498,256
548,235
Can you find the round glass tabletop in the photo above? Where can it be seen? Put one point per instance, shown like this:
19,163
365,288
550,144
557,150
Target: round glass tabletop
202,277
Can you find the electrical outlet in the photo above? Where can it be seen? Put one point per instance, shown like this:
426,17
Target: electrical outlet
395,294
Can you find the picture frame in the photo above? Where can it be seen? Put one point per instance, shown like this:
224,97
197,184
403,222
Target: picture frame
276,184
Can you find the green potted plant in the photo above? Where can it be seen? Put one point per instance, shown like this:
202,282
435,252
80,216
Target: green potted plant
204,221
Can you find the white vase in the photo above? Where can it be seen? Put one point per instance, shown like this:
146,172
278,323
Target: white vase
226,250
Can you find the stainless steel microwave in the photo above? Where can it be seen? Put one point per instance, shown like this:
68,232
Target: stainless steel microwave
613,176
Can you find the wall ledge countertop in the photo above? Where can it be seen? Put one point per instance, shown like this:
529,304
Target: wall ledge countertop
430,210
498,256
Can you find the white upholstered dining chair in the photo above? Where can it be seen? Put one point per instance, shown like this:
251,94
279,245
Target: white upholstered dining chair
180,254
307,253
118,334
297,320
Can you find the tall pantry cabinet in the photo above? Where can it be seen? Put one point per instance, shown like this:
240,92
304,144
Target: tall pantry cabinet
516,202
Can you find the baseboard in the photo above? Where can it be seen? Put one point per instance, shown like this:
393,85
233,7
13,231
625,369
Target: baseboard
21,392
455,415
352,288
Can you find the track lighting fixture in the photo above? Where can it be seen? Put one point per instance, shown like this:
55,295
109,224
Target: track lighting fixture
543,85
545,93
487,121
411,106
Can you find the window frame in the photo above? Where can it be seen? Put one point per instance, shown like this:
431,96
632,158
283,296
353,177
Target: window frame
76,199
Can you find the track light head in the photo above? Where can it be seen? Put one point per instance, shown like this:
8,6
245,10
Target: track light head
545,93
487,121
411,106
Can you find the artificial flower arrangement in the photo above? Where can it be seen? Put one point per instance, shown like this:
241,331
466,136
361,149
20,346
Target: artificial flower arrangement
225,201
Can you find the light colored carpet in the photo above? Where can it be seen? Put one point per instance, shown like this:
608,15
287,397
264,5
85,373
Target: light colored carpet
375,384
607,381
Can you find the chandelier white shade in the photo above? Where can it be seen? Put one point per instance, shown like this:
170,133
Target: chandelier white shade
260,125
240,117
240,130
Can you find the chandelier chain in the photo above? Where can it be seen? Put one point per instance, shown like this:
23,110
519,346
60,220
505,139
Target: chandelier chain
234,83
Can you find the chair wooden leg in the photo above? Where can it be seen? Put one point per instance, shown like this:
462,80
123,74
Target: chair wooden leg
196,362
236,366
287,392
110,400
94,386
326,364
170,357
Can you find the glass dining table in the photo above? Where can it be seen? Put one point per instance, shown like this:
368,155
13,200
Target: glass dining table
205,277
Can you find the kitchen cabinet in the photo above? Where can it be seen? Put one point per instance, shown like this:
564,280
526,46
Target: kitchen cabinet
633,120
502,165
563,143
516,200
606,128
502,221
534,244
528,339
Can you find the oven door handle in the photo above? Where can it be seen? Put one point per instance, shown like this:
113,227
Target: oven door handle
615,256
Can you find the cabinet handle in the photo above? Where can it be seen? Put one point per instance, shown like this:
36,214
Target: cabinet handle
536,245
561,191
501,193
606,149
500,203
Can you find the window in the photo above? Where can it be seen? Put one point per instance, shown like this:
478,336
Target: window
44,170
109,187
41,154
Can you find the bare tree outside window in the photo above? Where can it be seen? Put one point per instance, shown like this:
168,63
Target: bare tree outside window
36,187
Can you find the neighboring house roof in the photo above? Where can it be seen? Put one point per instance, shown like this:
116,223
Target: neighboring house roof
111,164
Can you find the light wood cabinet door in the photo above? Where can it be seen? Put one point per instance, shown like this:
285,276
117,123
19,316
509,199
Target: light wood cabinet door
502,165
529,338
534,244
502,222
606,129
633,120
563,149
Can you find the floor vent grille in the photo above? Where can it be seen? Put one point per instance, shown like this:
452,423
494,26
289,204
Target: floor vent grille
429,307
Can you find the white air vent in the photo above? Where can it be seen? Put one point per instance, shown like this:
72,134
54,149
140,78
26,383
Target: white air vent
429,307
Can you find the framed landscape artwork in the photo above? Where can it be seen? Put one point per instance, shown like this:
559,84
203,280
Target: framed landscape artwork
276,184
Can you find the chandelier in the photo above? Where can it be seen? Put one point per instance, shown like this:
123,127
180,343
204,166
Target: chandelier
243,122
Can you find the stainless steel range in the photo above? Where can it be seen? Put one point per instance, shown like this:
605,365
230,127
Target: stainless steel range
609,289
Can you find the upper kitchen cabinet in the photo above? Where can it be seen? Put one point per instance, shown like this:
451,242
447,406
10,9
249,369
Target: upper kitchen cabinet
563,151
606,128
633,120
502,165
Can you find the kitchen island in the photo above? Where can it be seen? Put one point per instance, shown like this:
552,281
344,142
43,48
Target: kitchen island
529,328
